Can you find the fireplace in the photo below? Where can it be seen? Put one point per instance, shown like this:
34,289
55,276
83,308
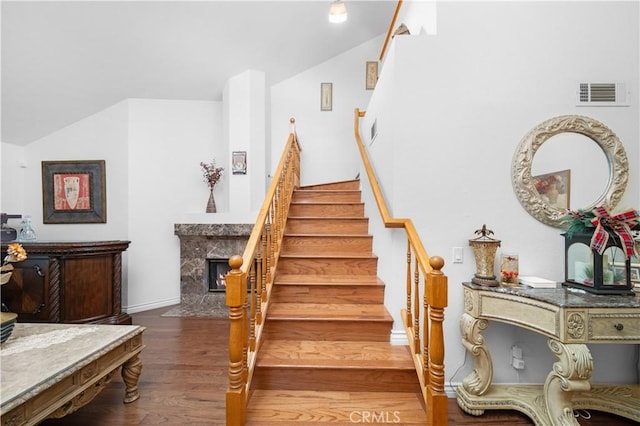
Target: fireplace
202,243
217,269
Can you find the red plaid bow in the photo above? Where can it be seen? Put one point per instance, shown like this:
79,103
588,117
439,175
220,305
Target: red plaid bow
620,224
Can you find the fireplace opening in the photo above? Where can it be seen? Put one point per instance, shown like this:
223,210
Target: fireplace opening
218,269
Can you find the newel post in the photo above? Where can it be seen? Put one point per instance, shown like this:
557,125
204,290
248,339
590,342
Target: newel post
436,292
236,295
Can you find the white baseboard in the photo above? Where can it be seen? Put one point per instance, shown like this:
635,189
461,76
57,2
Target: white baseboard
132,309
399,338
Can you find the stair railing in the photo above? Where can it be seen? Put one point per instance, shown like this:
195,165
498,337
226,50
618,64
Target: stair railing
423,324
250,280
390,31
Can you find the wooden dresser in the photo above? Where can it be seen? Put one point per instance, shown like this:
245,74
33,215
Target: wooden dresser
68,282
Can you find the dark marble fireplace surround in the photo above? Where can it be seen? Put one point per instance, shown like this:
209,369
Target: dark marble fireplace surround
200,242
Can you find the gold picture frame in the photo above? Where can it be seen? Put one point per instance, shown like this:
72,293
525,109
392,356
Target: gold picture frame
371,75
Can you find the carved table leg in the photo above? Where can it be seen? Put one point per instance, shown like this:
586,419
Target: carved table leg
571,373
130,374
478,381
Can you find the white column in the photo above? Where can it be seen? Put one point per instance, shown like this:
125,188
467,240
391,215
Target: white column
244,129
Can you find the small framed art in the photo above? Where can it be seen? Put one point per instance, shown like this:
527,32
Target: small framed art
74,192
239,162
326,96
371,75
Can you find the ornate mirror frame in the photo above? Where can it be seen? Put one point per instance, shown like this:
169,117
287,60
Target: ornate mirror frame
523,159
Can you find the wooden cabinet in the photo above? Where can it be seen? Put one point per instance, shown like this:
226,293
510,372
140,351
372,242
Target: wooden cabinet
68,282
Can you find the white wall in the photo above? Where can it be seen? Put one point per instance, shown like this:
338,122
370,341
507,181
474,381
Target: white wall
102,136
452,108
152,150
13,163
329,152
167,142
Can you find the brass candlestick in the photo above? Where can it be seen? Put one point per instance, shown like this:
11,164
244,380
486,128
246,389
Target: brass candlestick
484,249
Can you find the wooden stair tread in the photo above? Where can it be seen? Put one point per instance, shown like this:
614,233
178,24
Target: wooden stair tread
314,235
347,184
346,203
282,407
306,279
331,218
335,255
328,354
328,311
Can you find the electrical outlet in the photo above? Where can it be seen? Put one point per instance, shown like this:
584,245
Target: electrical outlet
517,360
517,363
516,351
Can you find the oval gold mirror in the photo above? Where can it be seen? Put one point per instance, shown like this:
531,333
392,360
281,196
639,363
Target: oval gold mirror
546,196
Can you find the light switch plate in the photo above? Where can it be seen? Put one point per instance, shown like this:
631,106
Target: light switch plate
457,255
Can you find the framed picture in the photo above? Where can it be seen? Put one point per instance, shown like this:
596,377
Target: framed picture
634,271
326,96
74,192
239,162
371,75
554,188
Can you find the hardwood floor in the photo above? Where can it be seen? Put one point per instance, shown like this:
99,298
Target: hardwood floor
184,379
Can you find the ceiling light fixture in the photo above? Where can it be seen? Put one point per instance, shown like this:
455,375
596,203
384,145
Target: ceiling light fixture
337,12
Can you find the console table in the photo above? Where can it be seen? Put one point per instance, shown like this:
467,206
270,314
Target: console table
571,319
51,370
68,282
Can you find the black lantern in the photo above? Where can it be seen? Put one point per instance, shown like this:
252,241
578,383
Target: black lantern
585,268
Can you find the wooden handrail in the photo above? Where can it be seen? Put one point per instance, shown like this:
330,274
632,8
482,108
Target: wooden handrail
252,275
389,222
392,25
427,348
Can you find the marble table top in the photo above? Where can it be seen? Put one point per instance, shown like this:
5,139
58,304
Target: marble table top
39,355
565,296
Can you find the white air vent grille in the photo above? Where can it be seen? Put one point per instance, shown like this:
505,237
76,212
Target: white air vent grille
602,94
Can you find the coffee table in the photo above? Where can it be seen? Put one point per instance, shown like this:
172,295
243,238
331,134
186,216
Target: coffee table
51,370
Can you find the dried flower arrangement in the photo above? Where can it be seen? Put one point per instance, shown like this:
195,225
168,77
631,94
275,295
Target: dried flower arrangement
15,253
210,173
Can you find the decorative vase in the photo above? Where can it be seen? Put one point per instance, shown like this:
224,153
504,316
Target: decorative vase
211,204
509,269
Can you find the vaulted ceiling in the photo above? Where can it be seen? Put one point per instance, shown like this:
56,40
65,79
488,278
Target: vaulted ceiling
63,61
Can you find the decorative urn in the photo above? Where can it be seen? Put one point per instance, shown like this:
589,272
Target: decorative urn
484,250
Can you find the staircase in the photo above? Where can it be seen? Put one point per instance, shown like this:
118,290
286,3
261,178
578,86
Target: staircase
326,356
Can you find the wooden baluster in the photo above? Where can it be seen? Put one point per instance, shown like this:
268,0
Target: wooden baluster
252,309
409,316
272,245
425,334
263,244
437,298
259,282
416,313
268,247
236,295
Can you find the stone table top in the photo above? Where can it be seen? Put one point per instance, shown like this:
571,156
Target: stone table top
565,296
39,355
